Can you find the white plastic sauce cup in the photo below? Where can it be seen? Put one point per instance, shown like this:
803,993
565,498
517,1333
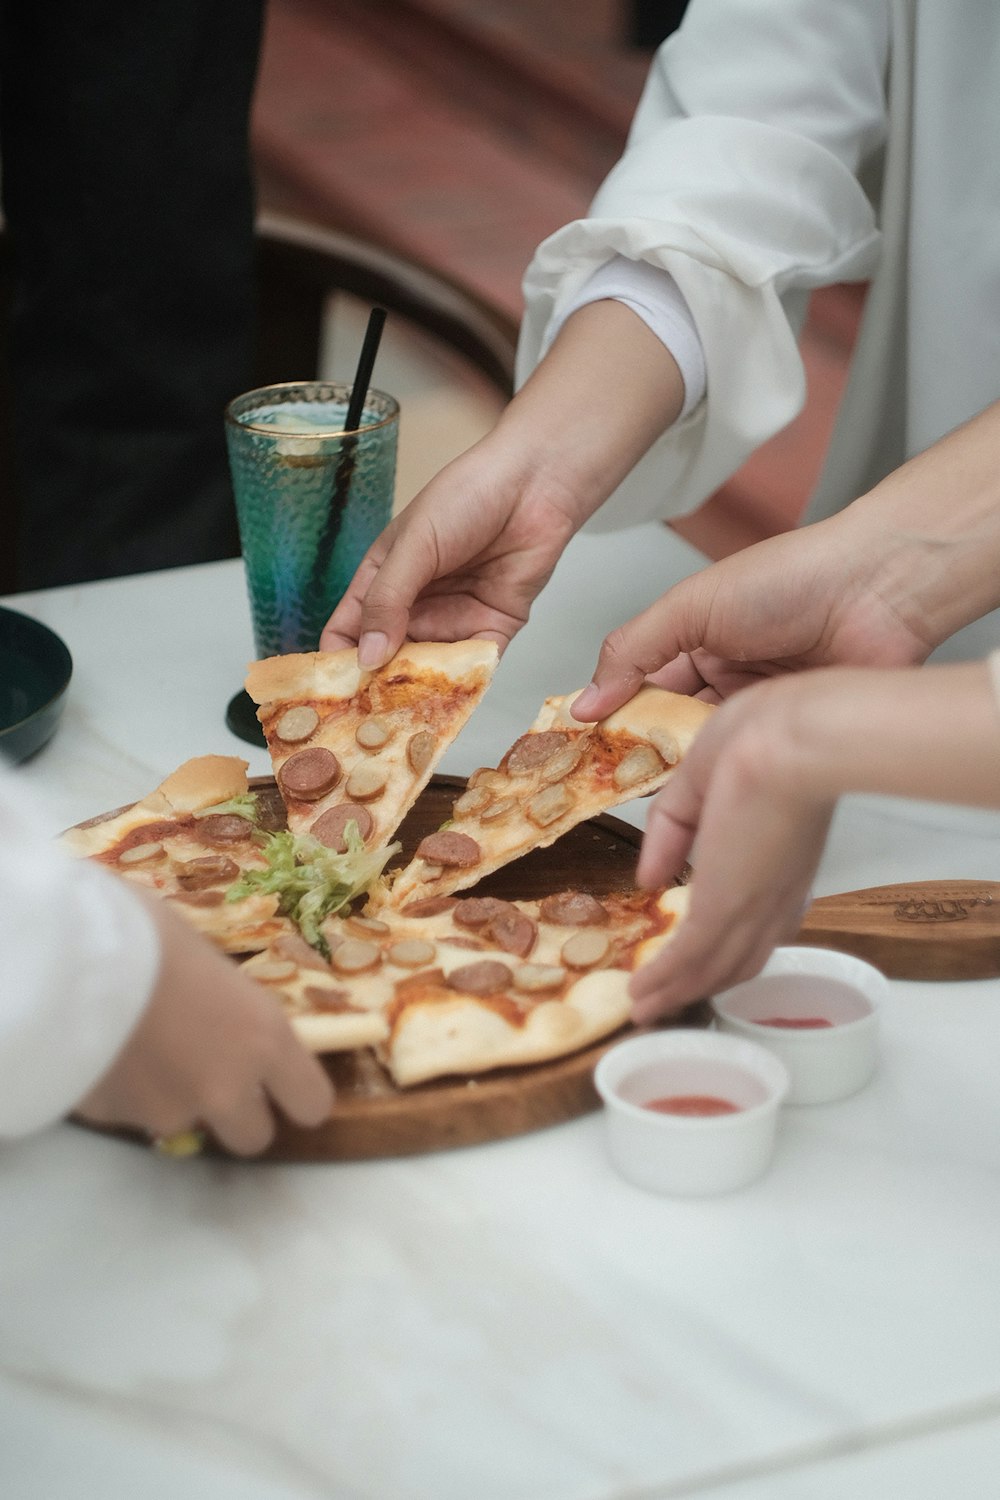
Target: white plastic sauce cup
681,1154
829,1062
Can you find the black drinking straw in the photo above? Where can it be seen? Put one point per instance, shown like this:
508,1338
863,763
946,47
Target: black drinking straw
348,452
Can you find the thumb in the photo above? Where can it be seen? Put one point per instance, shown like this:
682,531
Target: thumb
376,610
640,647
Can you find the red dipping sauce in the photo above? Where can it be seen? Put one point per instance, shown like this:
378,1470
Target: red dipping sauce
692,1105
794,1023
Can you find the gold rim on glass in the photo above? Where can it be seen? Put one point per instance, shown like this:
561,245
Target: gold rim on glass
280,394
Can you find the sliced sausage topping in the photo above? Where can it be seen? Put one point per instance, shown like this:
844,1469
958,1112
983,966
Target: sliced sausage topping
476,911
573,909
296,724
372,734
472,801
366,782
329,827
210,869
585,949
485,776
310,774
564,761
450,849
550,805
430,906
533,750
223,828
354,956
639,765
499,922
139,853
411,953
513,931
487,977
275,970
296,948
534,979
366,927
497,810
420,751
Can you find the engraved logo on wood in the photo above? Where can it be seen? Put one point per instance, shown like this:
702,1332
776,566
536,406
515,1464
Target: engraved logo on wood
945,907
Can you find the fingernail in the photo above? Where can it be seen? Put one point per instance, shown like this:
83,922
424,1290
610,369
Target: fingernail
372,648
580,707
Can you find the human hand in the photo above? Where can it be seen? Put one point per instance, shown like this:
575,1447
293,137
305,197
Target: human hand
469,554
751,803
754,827
467,557
881,584
808,598
211,1049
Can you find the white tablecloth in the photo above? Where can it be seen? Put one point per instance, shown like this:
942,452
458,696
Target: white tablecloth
507,1322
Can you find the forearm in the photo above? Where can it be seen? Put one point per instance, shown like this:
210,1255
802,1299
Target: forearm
927,732
605,391
934,527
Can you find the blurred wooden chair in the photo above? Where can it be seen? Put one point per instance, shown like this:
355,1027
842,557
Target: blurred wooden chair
300,268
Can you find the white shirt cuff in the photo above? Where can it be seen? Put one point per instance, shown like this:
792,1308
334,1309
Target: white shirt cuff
655,297
81,955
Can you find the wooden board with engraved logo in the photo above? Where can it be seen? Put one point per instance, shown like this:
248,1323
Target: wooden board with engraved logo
920,929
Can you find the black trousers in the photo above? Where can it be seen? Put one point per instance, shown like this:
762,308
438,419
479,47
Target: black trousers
127,191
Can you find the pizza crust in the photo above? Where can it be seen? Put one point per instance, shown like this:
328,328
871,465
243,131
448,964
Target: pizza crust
463,1035
202,782
652,711
336,674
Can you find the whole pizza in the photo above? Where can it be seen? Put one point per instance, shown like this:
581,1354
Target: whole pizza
411,962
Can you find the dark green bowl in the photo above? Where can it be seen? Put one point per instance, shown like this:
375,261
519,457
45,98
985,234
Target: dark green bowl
35,669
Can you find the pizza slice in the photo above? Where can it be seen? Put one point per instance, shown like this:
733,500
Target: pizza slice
356,747
466,986
316,1002
558,774
188,842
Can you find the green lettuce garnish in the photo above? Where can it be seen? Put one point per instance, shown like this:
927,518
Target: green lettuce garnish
310,880
244,805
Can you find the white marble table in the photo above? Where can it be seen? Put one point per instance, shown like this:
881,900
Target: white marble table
508,1322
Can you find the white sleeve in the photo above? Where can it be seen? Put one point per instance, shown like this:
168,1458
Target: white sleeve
80,956
657,299
742,179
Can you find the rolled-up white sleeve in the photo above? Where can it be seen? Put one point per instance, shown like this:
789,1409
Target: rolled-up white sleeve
657,299
742,180
80,958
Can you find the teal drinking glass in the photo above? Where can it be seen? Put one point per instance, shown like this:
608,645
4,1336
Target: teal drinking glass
310,499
